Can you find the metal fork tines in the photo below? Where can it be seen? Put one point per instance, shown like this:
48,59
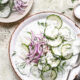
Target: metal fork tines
75,66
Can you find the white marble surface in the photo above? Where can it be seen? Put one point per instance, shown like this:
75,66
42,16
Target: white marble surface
6,71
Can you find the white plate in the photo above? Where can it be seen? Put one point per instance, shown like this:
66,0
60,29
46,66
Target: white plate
16,16
32,18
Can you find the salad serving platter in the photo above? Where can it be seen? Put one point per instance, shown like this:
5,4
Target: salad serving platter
44,47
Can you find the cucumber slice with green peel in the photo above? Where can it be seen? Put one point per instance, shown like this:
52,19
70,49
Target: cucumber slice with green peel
5,12
66,51
67,57
56,51
43,66
40,66
4,1
52,61
55,43
35,71
43,60
51,32
22,68
1,7
49,75
22,72
11,4
65,32
55,19
46,67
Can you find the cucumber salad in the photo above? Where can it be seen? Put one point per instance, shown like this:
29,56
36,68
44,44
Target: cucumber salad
46,49
10,6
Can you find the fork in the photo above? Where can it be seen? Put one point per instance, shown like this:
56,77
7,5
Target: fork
76,65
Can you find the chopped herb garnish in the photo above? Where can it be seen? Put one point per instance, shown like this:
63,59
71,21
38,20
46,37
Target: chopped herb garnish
42,24
23,44
46,24
73,1
70,9
63,64
14,53
29,33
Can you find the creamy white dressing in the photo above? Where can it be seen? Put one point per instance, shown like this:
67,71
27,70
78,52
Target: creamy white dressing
21,52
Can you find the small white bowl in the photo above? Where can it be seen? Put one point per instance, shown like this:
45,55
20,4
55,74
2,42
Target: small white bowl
77,11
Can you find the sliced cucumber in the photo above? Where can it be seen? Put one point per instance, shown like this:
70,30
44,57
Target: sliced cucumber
56,18
45,67
43,60
42,65
4,1
66,51
21,68
35,71
1,7
52,61
22,72
5,12
56,51
49,75
55,43
65,32
51,32
11,3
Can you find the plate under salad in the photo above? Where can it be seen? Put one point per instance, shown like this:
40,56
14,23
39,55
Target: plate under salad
45,47
14,10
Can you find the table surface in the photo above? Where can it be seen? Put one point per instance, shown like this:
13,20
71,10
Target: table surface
6,71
